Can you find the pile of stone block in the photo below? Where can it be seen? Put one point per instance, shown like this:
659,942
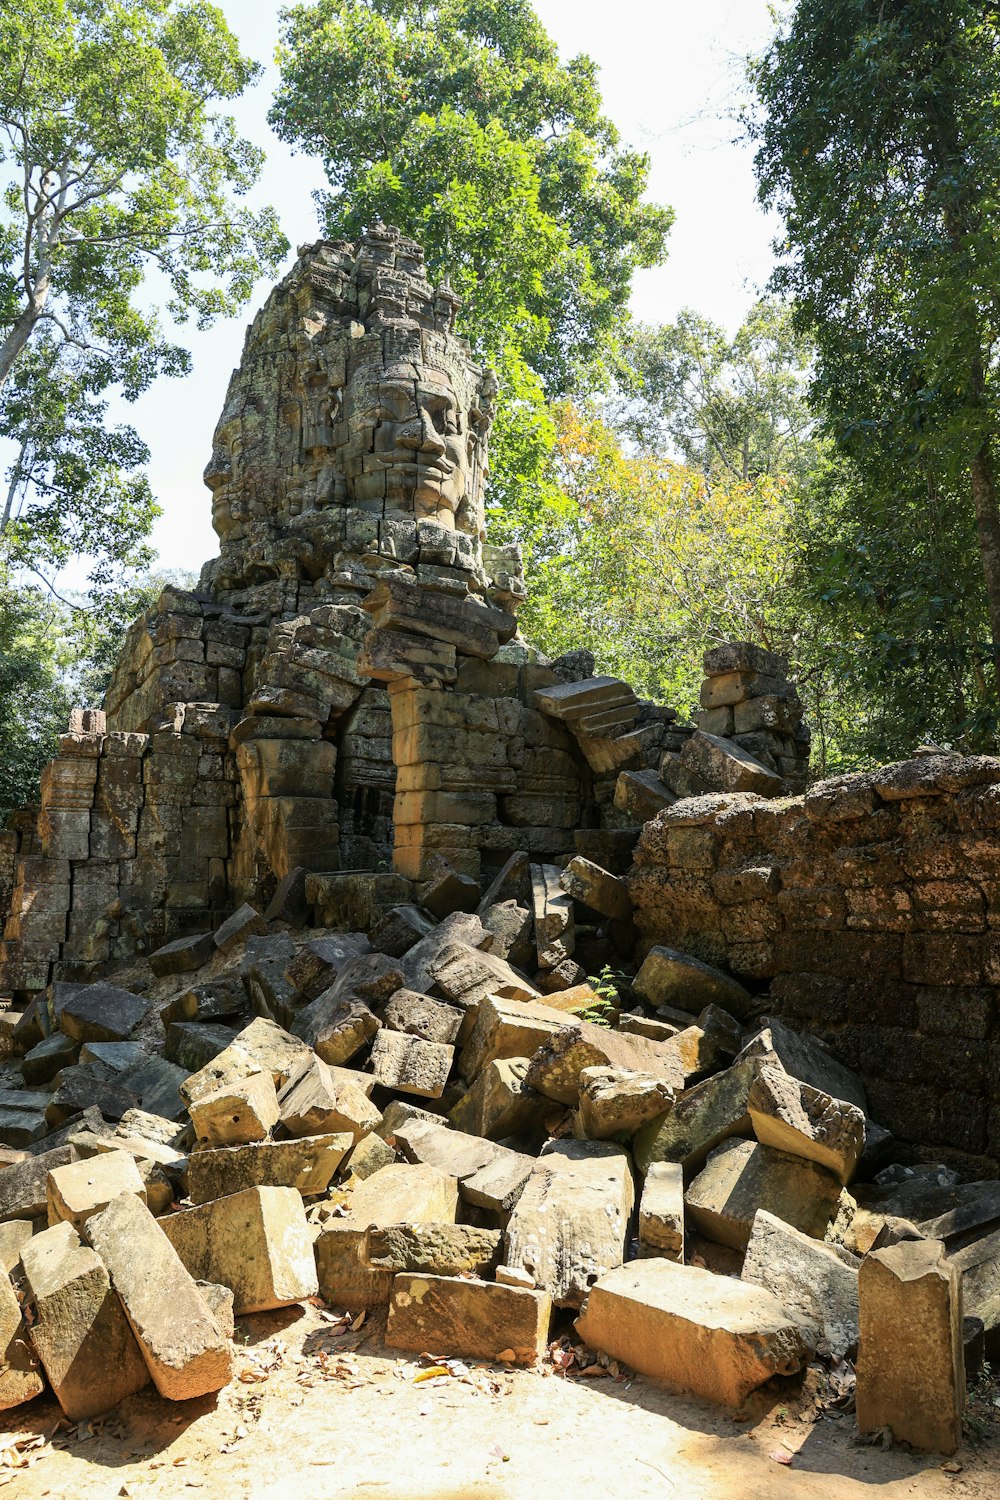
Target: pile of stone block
396,1117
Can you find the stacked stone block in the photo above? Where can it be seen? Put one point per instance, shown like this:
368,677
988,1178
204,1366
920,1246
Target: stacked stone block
870,909
747,697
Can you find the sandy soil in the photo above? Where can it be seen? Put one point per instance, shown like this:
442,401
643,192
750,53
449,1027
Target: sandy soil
318,1414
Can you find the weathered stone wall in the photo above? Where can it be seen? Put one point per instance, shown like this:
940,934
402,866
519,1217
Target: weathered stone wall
867,911
129,847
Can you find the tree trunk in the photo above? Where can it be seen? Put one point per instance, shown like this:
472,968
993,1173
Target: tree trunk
984,499
16,340
984,496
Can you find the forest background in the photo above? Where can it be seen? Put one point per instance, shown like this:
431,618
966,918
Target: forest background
816,479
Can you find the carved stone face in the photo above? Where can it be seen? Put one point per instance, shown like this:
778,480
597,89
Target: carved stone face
412,445
354,392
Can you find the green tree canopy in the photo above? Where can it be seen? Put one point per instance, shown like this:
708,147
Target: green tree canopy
878,139
733,406
458,122
121,182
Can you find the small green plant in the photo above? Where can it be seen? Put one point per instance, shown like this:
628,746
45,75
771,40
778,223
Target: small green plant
605,987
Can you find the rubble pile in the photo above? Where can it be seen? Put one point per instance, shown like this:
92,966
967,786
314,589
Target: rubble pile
357,951
399,1117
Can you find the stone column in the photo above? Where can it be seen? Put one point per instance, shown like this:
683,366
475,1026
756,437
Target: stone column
911,1372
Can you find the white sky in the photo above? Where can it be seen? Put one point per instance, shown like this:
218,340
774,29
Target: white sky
670,74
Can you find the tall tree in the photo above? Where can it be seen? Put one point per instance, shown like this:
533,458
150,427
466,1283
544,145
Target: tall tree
648,565
878,139
117,167
457,121
734,406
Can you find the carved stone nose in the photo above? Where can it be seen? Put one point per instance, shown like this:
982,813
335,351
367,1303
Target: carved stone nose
218,470
432,441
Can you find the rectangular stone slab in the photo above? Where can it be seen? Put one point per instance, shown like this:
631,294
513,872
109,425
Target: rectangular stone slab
24,1186
475,1319
85,1187
661,1212
410,1064
307,1165
256,1242
184,1349
20,1378
570,1223
81,1332
911,1370
741,1177
698,1332
489,1175
102,1013
816,1284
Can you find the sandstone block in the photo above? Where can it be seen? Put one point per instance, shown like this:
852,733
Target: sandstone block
24,1186
571,1221
260,1047
599,889
14,1235
184,955
86,1187
555,928
671,978
325,1100
421,1016
795,1117
507,1028
556,1067
466,975
726,767
369,1156
344,1276
116,1057
179,1339
474,1319
489,1176
192,1045
307,1165
661,1212
911,1375
741,1177
101,1013
640,795
804,1058
817,1284
450,892
700,1119
433,1249
403,1194
237,1113
615,1101
411,1065
156,1084
256,1242
245,922
698,1332
20,1378
80,1332
47,1058
499,1103
336,1029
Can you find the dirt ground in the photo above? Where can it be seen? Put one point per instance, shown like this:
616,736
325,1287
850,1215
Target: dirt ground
319,1414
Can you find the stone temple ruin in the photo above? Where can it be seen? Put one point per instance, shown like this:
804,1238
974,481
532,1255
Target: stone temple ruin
340,840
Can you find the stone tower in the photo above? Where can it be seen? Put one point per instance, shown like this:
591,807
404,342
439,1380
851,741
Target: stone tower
346,688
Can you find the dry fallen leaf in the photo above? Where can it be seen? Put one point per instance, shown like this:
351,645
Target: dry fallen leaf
780,1456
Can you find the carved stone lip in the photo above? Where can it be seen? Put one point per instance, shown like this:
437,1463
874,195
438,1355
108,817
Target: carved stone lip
436,467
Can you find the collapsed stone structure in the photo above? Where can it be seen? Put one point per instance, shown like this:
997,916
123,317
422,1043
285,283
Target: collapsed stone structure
868,910
231,1126
346,688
